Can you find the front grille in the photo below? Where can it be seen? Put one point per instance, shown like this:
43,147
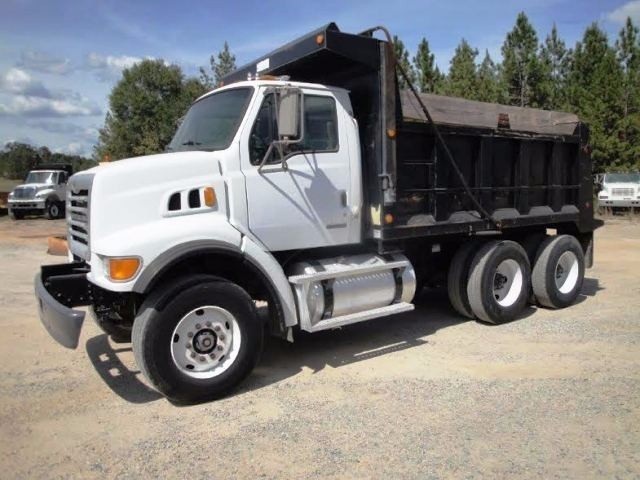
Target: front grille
24,192
622,192
78,215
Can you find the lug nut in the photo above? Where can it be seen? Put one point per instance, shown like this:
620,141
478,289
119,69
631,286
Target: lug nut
193,355
220,348
222,337
217,328
198,326
212,356
188,345
190,334
208,324
202,359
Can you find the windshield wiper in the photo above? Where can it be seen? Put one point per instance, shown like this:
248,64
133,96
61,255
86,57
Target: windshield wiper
191,142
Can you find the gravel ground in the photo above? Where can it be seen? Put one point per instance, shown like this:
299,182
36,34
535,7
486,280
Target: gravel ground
420,395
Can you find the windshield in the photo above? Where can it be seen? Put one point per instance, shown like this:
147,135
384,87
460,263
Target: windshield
41,177
622,178
211,123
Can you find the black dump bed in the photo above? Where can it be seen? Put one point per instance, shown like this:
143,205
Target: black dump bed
66,167
527,168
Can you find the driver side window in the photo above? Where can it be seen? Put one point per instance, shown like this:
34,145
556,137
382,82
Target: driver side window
264,131
320,129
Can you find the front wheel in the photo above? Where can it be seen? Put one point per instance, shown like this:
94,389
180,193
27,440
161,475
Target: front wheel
52,210
16,215
197,339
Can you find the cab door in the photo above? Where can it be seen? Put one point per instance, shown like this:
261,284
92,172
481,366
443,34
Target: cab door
304,204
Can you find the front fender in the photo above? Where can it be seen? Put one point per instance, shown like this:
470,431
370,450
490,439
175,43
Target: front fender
162,242
149,241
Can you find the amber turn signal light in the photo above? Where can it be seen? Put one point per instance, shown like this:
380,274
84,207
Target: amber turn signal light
209,197
122,269
319,39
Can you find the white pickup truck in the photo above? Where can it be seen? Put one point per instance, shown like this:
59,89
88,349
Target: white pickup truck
620,190
333,201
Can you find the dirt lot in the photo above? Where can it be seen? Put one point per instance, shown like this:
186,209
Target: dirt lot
421,395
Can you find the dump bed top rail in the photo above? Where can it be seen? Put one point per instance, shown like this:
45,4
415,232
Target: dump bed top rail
459,112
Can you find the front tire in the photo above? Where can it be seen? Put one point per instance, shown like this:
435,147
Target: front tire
52,210
499,280
558,271
16,215
197,339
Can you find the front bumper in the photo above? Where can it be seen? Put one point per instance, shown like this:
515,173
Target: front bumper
57,289
33,204
619,202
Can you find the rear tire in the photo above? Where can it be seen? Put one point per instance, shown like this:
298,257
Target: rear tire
458,278
558,271
531,243
193,362
499,281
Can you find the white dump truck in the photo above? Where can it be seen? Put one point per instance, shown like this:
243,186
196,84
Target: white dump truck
43,192
620,191
311,182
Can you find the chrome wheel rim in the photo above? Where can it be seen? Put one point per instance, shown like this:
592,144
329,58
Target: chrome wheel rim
206,342
508,280
566,272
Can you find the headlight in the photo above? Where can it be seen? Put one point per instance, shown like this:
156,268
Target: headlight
11,194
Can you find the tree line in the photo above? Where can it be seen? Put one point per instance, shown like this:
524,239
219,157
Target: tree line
17,159
597,79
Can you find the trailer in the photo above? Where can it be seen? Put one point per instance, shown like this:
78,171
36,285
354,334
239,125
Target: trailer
311,181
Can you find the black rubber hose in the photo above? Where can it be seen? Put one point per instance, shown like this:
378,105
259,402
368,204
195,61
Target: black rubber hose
441,141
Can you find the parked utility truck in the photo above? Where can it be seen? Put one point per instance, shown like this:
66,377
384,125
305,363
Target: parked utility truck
312,182
43,192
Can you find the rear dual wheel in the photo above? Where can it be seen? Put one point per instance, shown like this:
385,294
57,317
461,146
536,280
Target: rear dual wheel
558,271
498,285
493,281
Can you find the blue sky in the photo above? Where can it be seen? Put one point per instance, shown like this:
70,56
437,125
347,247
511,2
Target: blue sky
60,59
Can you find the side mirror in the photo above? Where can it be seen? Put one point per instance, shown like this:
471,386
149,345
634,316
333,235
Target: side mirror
289,109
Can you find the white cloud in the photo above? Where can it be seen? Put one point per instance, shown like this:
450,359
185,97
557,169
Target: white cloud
109,67
74,148
19,82
29,97
629,9
30,106
44,63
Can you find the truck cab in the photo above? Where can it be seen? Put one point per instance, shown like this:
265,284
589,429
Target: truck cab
42,193
331,201
620,190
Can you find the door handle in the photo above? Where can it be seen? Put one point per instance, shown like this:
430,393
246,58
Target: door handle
343,198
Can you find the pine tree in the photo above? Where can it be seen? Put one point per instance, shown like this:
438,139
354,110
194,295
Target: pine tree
429,78
554,60
520,67
488,82
595,90
628,54
402,57
462,80
225,64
